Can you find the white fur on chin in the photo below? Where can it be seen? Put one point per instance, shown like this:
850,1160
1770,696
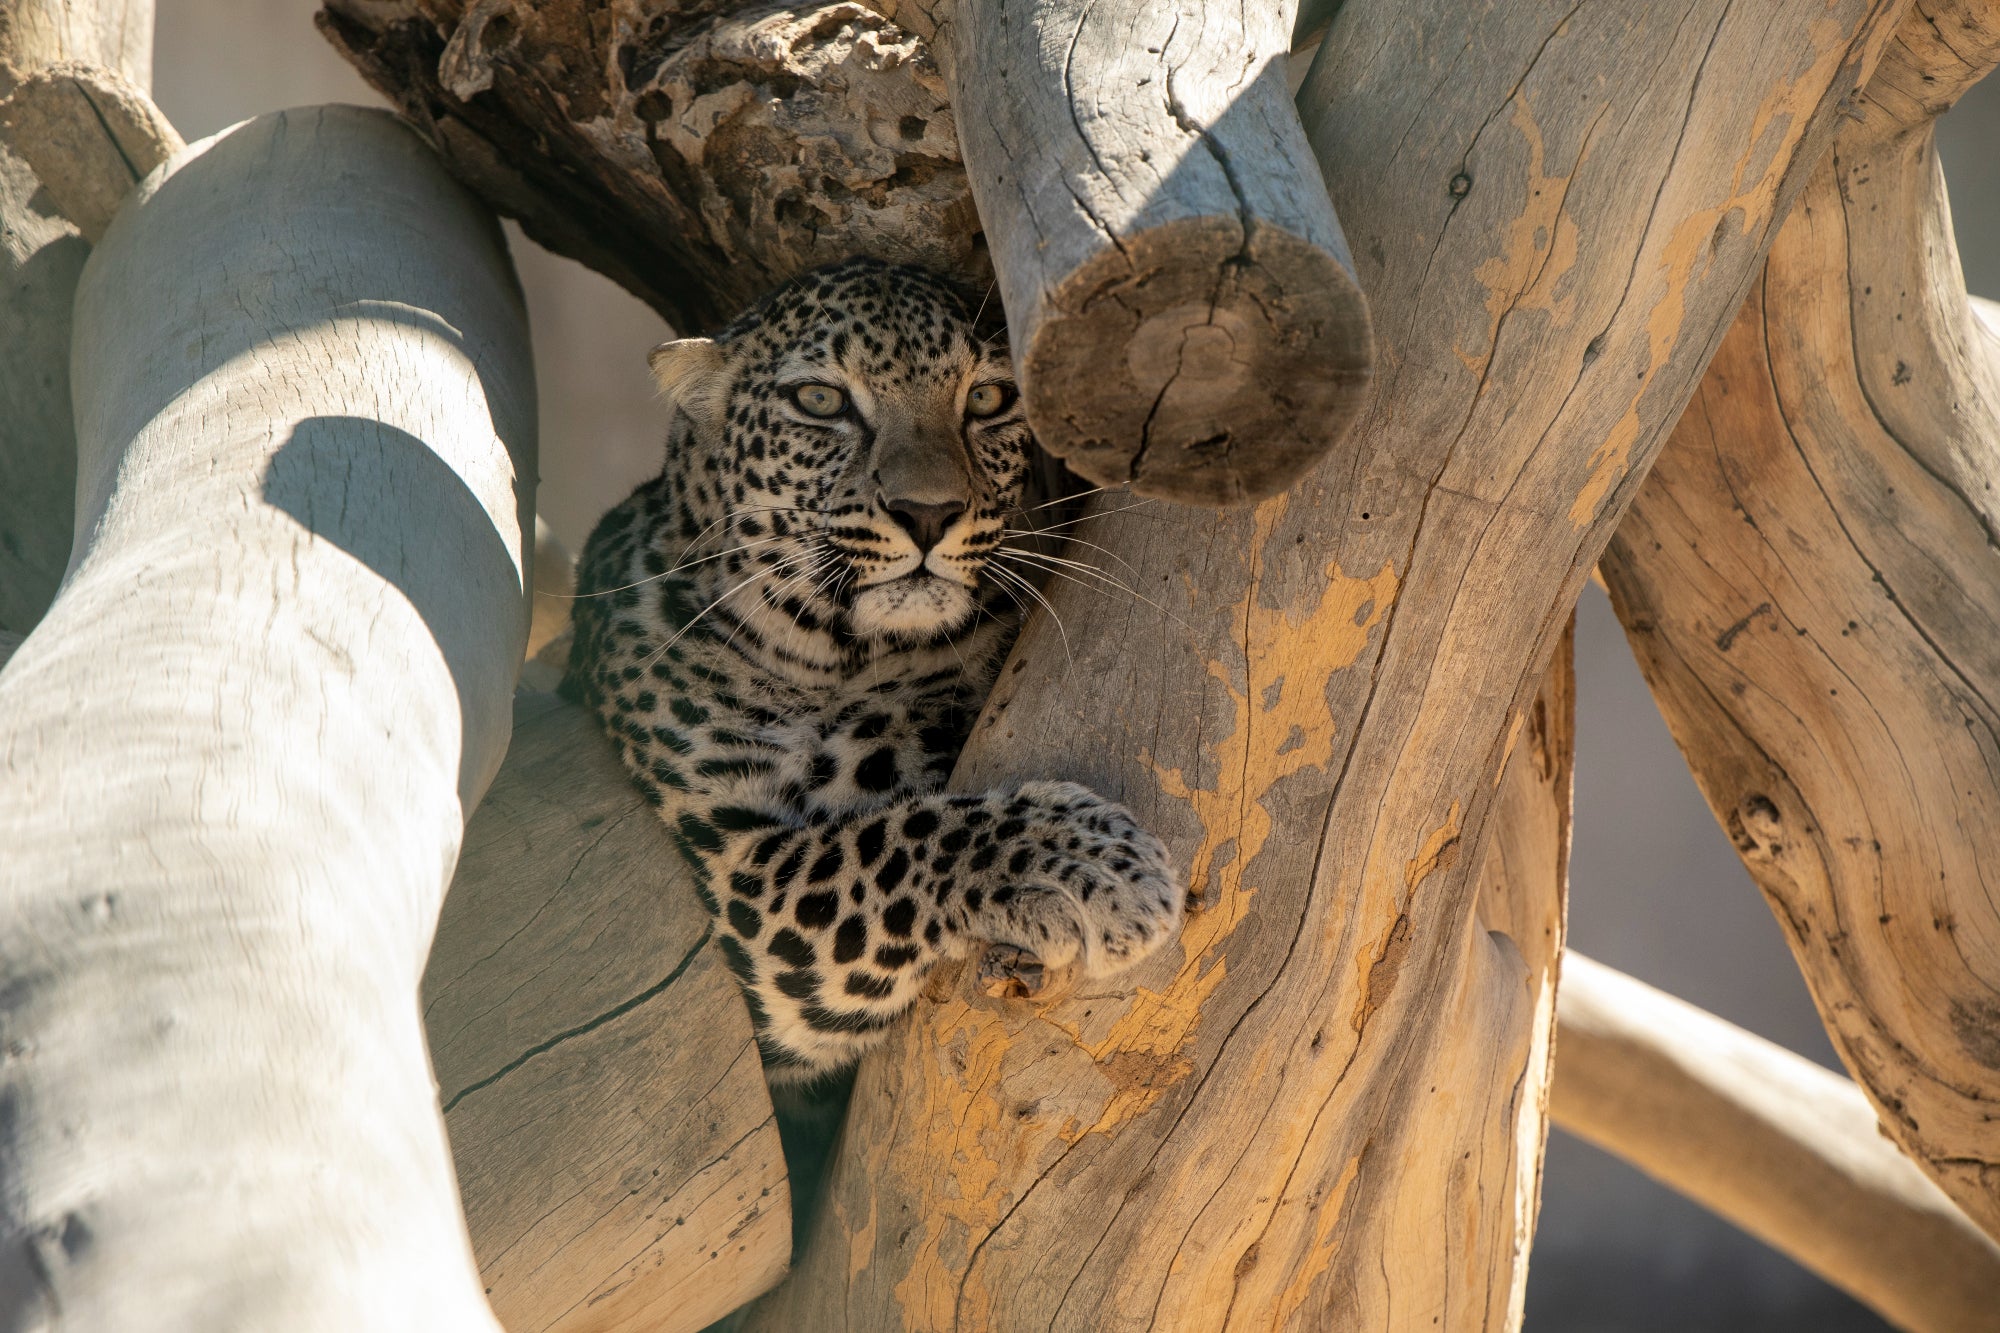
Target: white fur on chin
919,605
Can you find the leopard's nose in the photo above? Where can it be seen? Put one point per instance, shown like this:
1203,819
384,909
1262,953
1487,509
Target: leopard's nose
925,522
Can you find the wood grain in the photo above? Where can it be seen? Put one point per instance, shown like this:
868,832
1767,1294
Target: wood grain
1318,714
1811,582
698,154
237,754
1790,1152
1181,299
614,1141
41,255
89,135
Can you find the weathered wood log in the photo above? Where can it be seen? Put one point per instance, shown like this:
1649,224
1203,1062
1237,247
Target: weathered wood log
40,257
614,1142
1497,1032
89,135
237,754
1784,1149
697,154
1321,722
1811,582
1179,288
1181,298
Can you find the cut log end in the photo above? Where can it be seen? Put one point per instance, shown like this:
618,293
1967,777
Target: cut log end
1196,367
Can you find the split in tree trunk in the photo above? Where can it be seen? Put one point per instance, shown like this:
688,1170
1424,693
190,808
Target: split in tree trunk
614,1141
89,135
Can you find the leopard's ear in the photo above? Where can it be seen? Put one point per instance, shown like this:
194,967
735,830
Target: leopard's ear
687,371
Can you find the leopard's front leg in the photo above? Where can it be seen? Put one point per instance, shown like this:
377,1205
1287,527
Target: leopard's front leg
832,928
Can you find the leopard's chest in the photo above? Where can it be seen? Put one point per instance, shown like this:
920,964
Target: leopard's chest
856,751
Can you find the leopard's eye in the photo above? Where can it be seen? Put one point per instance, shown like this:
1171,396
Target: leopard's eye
987,400
820,400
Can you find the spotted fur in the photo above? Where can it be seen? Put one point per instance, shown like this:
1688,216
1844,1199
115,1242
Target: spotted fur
788,632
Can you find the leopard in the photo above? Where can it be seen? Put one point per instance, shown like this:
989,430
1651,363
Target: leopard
788,633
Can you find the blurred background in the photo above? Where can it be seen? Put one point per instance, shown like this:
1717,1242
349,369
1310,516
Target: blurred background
1656,890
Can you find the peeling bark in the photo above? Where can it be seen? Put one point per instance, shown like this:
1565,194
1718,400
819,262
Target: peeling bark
697,153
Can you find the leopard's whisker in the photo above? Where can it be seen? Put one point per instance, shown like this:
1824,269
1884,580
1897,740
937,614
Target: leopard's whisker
1074,495
655,655
1056,564
1036,593
1073,522
1072,537
667,573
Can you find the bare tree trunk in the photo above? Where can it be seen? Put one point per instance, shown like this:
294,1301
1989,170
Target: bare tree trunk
613,1137
40,257
1323,711
236,756
1771,1141
1182,301
697,154
1811,582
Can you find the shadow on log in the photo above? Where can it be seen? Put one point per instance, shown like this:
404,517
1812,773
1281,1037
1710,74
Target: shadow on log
1811,582
41,254
237,753
1320,715
614,1141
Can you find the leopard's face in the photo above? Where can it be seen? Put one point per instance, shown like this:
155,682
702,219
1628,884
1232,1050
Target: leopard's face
856,448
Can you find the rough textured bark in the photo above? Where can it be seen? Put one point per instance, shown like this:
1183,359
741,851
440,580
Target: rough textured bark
1779,1146
236,756
89,136
697,153
40,256
1181,298
1320,716
1811,582
614,1141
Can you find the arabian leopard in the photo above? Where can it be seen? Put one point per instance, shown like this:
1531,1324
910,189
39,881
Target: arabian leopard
788,633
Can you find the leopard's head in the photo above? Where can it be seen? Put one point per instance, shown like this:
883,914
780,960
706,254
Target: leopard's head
854,445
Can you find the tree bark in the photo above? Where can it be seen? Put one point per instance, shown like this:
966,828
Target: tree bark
697,154
237,754
1811,582
89,136
614,1140
1769,1140
1320,716
41,254
1181,298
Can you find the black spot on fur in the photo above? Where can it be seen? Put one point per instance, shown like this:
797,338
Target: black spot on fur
892,871
850,940
789,946
877,772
